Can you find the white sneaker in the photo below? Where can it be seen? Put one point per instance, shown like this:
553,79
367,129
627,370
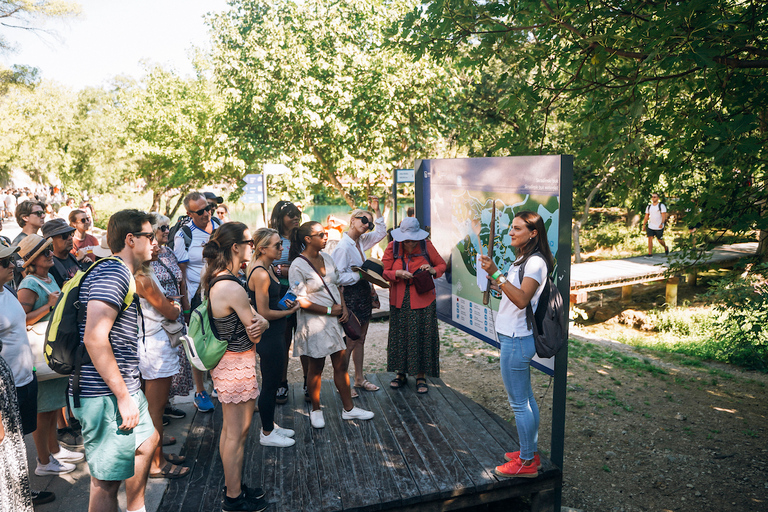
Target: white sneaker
356,414
285,432
65,455
275,439
54,467
316,418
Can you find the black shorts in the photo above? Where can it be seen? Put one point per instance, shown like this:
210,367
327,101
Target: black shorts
27,396
658,233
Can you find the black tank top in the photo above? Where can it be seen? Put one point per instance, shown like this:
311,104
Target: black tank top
230,327
275,326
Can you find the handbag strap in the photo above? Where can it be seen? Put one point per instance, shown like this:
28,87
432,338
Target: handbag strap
319,275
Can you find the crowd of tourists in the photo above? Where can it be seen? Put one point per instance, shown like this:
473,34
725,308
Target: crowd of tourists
266,291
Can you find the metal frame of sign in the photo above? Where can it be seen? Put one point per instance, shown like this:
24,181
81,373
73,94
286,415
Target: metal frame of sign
400,177
539,176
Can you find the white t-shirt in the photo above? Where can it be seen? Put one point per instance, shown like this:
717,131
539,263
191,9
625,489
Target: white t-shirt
192,257
13,333
655,220
510,320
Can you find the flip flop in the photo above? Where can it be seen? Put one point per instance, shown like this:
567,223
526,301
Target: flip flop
170,471
173,458
168,440
367,385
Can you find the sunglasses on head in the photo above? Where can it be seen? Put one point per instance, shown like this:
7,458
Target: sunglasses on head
202,211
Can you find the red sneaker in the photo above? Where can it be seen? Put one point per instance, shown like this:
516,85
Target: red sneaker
515,468
510,456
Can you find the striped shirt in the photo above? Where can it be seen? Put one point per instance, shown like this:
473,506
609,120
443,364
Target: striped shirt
109,282
230,328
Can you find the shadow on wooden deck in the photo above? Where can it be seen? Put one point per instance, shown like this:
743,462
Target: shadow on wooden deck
420,453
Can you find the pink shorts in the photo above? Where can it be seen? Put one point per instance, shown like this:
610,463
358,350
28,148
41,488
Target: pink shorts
235,377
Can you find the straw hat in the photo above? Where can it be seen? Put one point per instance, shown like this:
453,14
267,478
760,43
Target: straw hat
371,271
32,246
103,250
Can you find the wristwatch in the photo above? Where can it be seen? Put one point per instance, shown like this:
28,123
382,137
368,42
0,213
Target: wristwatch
502,279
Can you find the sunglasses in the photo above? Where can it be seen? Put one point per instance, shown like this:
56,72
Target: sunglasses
65,236
84,221
202,212
365,222
149,236
164,228
6,262
40,214
278,245
321,235
249,242
47,252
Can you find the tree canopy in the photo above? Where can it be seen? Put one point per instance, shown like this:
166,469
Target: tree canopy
673,94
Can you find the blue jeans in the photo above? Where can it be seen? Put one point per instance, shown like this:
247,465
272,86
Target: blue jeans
516,355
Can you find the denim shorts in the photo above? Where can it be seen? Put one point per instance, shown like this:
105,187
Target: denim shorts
110,451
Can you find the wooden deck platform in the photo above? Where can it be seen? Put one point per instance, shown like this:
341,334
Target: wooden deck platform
429,452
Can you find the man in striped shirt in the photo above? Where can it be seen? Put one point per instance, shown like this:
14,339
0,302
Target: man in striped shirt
118,433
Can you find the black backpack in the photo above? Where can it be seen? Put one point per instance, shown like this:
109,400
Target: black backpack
548,323
397,251
186,232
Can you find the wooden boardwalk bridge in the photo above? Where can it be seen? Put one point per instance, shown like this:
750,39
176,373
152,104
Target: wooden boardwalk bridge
428,452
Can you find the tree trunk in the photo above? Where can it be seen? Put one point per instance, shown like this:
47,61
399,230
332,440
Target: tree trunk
578,223
332,179
156,196
177,205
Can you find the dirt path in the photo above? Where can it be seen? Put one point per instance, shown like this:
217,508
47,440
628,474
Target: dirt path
641,433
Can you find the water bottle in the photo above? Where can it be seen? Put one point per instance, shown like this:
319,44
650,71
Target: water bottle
289,296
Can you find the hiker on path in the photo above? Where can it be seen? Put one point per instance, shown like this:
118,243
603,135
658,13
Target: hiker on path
654,222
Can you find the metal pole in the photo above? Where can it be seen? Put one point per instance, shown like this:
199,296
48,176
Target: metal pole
394,195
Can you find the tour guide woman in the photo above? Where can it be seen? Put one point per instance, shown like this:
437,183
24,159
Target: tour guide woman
529,239
318,332
235,376
414,343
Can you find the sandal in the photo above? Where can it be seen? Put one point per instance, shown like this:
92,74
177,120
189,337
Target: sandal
353,393
168,440
399,381
367,385
170,471
173,458
421,386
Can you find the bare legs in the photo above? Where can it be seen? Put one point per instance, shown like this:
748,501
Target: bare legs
156,391
234,432
356,351
339,360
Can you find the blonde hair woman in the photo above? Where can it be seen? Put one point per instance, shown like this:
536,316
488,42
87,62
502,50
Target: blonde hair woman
364,233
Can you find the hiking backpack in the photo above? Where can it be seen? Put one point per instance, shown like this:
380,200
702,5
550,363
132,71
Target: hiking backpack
548,323
186,231
63,351
397,251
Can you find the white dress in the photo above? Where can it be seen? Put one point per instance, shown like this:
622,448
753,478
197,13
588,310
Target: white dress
316,335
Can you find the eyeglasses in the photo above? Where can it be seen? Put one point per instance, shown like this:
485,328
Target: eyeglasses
321,235
6,262
65,236
40,213
249,242
149,236
202,212
164,228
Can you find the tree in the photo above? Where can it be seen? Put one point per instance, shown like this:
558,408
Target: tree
669,93
314,86
31,14
175,137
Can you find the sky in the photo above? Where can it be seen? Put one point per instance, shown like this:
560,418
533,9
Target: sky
113,37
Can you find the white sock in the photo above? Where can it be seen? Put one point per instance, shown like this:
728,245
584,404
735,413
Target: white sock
142,509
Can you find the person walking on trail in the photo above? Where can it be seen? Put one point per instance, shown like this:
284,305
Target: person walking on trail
191,263
118,433
654,222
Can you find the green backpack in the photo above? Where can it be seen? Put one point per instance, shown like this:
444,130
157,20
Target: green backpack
202,344
63,351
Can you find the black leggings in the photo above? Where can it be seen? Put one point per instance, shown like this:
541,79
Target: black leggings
271,361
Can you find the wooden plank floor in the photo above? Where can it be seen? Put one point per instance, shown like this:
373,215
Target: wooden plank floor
596,275
420,453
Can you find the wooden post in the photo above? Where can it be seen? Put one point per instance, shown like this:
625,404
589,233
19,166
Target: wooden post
690,279
626,293
578,296
672,283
